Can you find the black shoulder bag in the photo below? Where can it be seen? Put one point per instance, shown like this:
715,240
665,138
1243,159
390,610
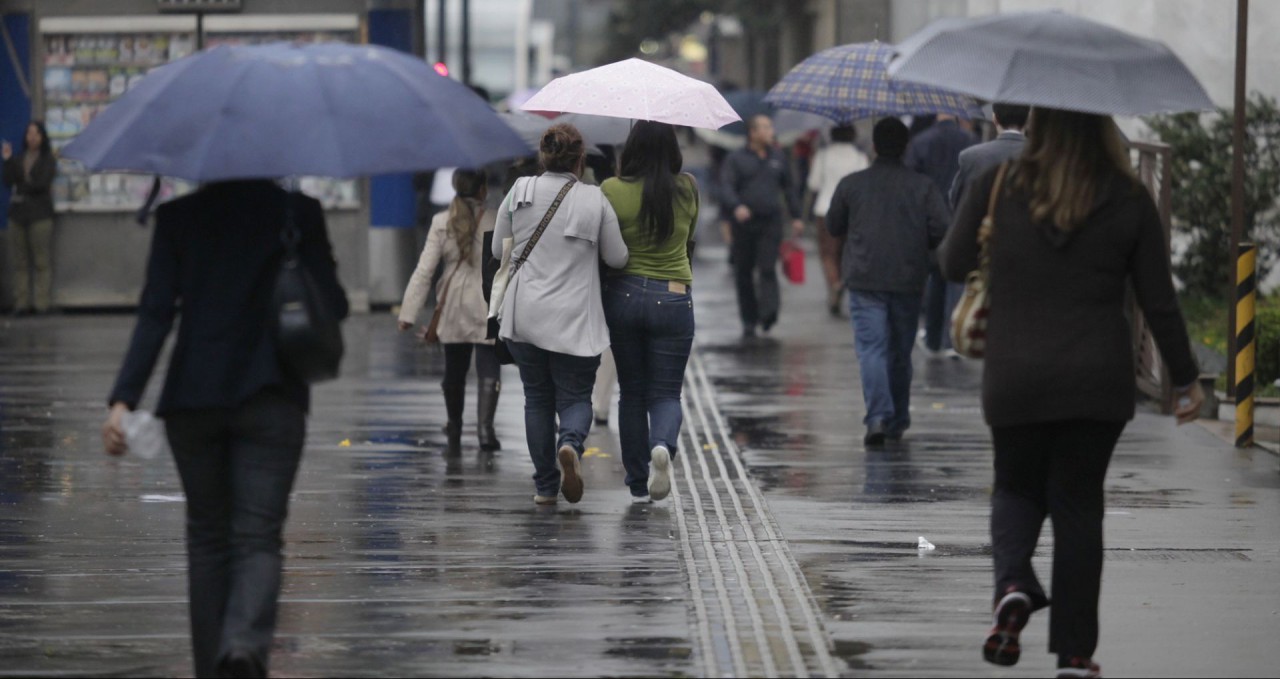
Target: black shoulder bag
308,335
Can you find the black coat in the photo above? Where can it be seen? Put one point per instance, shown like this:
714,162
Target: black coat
1059,345
32,198
214,259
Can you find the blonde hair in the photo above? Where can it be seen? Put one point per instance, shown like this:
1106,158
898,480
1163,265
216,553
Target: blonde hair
1068,158
464,209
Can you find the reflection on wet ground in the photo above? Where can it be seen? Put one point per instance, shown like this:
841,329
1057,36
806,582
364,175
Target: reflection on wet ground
399,562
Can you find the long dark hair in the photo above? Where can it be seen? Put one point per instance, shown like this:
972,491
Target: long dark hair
45,148
652,155
1068,159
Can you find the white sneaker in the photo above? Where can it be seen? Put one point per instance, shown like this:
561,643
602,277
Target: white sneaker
544,499
659,473
641,500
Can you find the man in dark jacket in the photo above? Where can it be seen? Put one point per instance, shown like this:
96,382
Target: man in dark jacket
890,218
755,181
235,417
975,160
936,153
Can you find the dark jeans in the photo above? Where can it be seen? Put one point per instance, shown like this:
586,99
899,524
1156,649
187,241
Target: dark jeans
940,299
457,362
884,333
237,468
554,384
651,333
755,255
1054,469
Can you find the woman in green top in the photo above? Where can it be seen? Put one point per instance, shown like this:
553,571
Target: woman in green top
649,304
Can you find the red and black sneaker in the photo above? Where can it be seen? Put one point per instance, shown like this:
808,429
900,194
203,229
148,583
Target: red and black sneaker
1078,667
1011,615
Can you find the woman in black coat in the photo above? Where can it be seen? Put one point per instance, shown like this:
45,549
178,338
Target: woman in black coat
30,176
235,417
1072,226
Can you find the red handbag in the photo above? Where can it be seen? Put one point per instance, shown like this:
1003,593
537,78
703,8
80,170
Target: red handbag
792,261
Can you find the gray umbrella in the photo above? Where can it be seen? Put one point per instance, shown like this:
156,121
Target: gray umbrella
1053,60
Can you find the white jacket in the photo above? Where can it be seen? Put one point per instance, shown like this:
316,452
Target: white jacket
464,316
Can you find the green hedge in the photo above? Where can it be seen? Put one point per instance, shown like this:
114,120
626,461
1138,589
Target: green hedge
1268,328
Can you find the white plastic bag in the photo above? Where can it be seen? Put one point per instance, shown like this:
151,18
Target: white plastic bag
145,435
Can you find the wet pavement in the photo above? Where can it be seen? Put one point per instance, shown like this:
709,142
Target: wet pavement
786,549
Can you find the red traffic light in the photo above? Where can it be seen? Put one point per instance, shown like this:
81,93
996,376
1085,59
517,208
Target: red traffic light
441,68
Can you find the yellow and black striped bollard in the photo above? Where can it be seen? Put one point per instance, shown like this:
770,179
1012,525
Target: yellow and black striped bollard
1246,341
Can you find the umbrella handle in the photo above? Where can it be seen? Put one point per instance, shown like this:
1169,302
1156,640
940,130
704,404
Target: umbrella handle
145,210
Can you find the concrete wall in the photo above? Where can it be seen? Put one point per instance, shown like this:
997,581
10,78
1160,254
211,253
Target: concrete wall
100,257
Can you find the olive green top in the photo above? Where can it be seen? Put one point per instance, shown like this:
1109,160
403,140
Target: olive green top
667,261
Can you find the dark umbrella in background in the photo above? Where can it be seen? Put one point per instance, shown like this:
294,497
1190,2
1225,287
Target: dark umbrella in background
849,83
788,125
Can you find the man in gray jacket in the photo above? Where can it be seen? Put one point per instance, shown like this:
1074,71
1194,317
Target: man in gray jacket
1010,119
890,218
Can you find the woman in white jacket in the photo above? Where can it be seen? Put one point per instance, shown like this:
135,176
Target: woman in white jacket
552,316
457,238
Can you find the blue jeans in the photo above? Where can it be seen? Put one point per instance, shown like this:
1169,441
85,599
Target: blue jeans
651,333
884,332
554,384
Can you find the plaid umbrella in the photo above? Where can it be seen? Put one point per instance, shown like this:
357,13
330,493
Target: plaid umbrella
849,82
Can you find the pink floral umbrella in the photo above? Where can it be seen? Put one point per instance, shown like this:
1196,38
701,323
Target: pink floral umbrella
638,90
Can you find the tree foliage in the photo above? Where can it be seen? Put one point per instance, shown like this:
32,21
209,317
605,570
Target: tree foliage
1202,189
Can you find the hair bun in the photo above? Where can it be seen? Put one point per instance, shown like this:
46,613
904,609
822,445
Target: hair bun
551,143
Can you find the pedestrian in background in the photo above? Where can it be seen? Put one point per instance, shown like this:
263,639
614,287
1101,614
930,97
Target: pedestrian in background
1073,226
30,176
649,303
457,238
755,182
890,219
973,161
552,318
935,152
832,163
235,417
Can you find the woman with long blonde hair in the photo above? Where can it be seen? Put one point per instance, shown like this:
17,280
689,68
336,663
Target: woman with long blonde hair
1073,225
457,239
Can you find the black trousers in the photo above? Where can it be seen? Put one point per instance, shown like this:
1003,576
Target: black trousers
457,362
237,467
1053,469
755,254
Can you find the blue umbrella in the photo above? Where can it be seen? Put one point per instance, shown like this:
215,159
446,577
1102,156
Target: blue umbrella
849,83
282,109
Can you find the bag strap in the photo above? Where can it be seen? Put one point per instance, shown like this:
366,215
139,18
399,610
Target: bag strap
542,226
988,227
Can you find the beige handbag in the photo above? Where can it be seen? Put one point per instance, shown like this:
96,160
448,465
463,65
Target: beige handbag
969,320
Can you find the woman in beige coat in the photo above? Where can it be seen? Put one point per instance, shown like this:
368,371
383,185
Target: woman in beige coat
457,239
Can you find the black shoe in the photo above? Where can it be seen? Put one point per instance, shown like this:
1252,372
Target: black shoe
768,322
1011,615
602,421
19,313
240,665
875,435
453,433
749,332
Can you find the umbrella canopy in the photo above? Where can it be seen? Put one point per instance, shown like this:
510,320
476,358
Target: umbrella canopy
284,109
849,82
598,130
1050,59
636,89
